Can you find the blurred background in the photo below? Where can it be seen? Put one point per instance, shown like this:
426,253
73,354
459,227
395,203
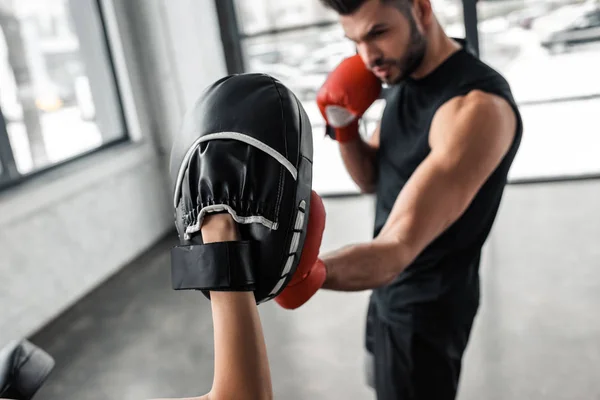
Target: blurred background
91,94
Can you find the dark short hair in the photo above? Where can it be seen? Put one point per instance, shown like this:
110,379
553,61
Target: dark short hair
346,7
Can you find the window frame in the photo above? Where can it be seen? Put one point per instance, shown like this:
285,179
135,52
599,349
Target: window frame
8,166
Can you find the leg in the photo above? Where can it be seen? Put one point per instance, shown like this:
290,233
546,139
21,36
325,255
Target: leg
437,360
389,362
369,364
436,373
411,362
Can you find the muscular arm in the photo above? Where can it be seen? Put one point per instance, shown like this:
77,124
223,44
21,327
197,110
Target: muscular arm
241,363
359,159
469,136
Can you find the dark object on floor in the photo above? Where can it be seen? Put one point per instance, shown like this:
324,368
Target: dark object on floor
24,368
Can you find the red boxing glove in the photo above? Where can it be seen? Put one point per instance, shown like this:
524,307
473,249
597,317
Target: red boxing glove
347,93
310,273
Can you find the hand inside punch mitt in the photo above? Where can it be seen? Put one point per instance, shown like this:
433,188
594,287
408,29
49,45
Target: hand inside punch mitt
245,148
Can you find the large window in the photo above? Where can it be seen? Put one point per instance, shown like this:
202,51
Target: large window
255,17
549,51
58,94
300,42
301,59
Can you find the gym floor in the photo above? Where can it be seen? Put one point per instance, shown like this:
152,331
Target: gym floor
537,334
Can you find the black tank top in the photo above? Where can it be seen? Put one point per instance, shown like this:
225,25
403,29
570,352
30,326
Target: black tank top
448,268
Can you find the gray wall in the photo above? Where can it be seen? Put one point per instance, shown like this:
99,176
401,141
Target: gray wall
65,232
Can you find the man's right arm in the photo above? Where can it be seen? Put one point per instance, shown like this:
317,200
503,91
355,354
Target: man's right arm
360,160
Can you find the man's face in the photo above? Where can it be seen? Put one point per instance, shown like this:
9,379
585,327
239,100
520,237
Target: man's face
387,39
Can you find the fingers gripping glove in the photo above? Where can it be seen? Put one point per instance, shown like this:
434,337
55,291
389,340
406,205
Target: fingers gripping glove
347,93
24,368
245,148
311,273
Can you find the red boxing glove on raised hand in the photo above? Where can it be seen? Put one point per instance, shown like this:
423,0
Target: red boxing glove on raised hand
310,273
347,93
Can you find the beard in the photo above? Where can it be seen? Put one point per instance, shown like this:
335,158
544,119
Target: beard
410,61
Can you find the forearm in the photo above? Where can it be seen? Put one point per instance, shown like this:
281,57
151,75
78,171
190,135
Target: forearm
365,266
241,363
359,159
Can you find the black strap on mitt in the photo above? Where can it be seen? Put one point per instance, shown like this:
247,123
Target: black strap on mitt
224,266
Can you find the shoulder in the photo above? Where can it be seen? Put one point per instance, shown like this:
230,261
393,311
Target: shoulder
477,103
478,74
477,126
477,114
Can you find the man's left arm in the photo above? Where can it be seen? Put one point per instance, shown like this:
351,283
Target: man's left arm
469,137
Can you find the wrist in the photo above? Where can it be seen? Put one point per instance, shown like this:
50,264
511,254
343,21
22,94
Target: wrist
232,300
345,134
328,273
219,228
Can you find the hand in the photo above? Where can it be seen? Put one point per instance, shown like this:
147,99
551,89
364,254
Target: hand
345,96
